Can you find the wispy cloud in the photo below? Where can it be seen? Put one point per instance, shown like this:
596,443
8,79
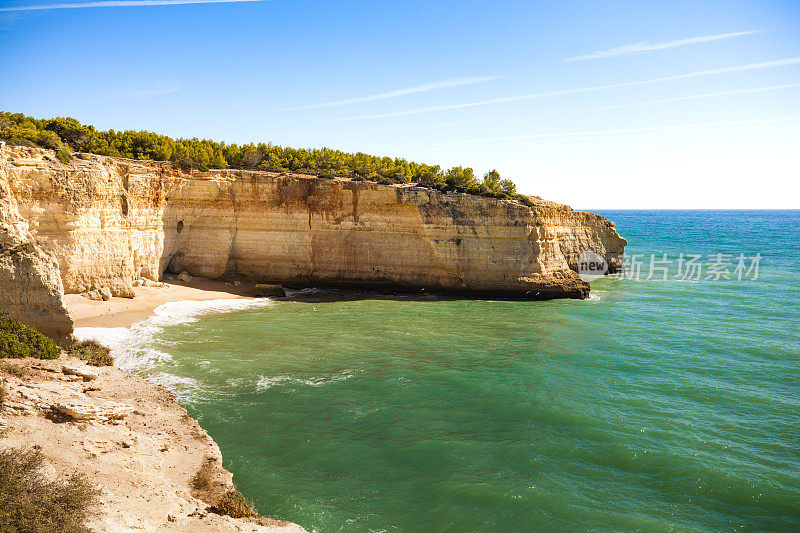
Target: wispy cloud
638,48
159,88
507,99
518,139
698,96
423,88
120,3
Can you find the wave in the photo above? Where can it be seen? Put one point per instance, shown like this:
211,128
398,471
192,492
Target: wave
133,350
187,389
595,295
265,382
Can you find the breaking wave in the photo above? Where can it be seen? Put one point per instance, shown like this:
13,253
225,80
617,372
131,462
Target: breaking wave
266,382
133,348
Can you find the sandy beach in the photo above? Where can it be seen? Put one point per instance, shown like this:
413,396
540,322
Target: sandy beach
125,312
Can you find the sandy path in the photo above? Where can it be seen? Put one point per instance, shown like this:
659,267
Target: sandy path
125,312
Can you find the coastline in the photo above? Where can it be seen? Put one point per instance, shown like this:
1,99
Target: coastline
126,312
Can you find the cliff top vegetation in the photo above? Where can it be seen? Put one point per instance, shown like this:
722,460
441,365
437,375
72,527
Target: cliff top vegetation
67,135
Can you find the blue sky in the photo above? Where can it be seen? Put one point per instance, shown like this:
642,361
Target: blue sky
594,104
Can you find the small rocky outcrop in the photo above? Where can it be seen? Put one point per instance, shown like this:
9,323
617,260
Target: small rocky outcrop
267,290
82,370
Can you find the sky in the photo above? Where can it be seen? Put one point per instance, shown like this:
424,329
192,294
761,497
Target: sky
600,105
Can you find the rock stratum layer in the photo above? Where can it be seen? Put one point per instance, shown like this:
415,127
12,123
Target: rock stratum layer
109,221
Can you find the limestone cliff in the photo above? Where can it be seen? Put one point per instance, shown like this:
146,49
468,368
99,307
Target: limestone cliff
30,284
110,221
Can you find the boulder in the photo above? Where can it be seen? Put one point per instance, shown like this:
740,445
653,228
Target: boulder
123,291
79,369
93,295
184,277
96,409
105,293
265,290
64,398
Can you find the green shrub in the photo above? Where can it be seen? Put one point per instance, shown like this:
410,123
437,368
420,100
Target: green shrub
63,153
234,505
12,369
31,503
92,352
67,134
21,141
19,340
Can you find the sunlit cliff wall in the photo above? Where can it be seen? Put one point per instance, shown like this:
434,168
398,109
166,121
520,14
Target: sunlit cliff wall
109,221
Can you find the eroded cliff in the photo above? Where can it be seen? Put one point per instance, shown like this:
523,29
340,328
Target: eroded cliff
30,283
110,221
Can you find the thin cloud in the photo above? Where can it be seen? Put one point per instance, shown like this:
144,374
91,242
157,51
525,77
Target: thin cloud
425,87
698,96
121,3
516,139
506,99
154,89
638,48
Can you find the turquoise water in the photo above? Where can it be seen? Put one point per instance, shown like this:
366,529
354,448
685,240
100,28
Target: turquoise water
656,405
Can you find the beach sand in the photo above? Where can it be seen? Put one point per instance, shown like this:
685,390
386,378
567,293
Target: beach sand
125,312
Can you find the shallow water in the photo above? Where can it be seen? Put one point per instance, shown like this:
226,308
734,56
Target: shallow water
655,405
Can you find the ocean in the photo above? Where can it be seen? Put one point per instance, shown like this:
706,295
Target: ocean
668,401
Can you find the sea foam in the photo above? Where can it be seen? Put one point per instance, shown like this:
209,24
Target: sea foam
266,382
133,350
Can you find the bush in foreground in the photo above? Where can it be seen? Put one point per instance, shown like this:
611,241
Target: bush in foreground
233,504
12,370
19,340
92,352
202,484
29,502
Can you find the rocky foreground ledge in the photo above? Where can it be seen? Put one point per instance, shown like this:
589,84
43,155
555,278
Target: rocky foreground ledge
129,437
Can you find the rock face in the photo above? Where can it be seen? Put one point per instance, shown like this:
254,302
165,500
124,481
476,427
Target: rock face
111,221
30,282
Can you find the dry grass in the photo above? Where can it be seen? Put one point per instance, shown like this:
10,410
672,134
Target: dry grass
206,486
12,369
92,352
203,480
233,504
31,503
